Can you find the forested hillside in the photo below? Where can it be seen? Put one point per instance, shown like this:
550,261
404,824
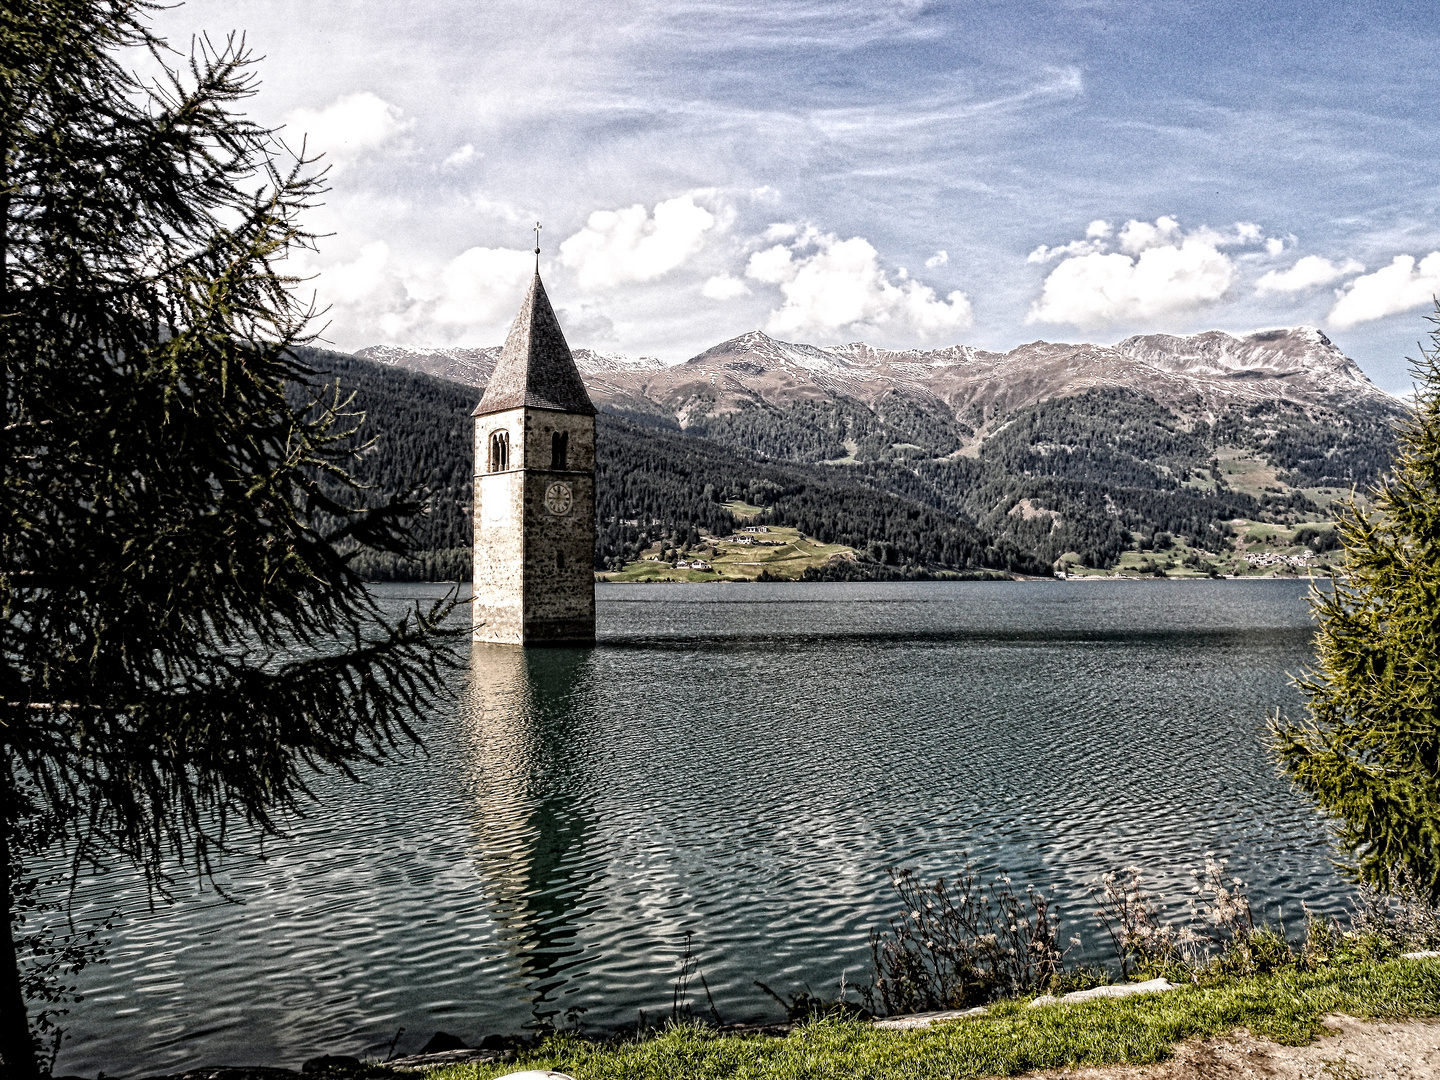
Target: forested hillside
418,431
649,483
1312,445
1092,474
900,425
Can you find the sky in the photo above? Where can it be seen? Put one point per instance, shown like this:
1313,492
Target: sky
905,173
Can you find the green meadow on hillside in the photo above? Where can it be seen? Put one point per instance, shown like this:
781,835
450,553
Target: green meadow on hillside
779,552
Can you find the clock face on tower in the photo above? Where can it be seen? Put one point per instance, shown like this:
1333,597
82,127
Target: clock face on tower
558,499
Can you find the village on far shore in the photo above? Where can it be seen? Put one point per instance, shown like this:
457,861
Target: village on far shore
780,553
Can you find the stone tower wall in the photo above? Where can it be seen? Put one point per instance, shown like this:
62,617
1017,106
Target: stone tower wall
535,530
499,586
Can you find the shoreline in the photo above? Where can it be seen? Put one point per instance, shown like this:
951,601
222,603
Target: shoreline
602,579
1371,1013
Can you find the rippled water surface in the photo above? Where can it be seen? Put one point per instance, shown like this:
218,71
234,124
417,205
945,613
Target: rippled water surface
740,763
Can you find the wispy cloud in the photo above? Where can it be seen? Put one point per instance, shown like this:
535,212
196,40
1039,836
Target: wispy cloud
992,133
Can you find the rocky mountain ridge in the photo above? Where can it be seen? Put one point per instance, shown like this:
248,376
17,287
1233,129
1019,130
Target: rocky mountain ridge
475,365
1198,376
1045,451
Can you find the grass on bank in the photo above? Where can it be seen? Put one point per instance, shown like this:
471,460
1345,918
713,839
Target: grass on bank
1010,1039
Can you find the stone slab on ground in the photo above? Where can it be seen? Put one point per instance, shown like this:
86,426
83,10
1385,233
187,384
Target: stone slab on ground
914,1021
417,1062
1153,986
1349,1049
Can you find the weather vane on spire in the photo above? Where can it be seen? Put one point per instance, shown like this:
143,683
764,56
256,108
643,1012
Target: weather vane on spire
538,227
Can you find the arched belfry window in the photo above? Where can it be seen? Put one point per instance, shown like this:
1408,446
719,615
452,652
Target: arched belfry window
499,451
559,448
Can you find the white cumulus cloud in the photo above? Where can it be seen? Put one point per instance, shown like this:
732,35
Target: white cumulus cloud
1307,272
349,126
724,287
481,286
357,280
620,246
465,154
940,258
377,298
1401,286
829,284
772,266
1136,236
1159,270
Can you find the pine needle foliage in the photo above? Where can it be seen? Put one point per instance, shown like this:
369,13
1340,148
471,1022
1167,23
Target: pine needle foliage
1369,750
182,636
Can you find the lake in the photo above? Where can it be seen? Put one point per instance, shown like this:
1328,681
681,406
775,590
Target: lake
739,765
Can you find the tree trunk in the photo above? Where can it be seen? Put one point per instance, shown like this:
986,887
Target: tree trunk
17,1050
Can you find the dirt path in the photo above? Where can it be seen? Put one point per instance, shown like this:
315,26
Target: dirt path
1352,1050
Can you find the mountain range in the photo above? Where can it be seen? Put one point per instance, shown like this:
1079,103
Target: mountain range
855,403
1024,455
1208,371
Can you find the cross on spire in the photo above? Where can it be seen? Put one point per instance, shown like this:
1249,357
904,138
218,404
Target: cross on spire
538,227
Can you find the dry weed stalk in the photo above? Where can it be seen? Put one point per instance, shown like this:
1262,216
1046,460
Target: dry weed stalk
1220,934
1143,944
968,941
964,942
1401,913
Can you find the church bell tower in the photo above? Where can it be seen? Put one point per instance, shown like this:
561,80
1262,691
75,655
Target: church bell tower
534,579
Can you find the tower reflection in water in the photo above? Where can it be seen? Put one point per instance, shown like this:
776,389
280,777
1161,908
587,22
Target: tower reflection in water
527,722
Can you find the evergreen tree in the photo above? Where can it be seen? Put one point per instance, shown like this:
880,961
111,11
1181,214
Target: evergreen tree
181,632
1369,752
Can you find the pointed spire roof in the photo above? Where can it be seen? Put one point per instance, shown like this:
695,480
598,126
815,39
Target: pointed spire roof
535,367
